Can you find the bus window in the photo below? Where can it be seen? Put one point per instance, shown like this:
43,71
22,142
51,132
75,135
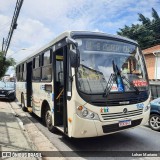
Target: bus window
47,68
46,58
47,73
37,69
24,72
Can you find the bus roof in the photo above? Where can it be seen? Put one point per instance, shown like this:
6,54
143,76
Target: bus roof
100,34
76,33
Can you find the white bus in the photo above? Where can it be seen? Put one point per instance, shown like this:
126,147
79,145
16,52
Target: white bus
86,84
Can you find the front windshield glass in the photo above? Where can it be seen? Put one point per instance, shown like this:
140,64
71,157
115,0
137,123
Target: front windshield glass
96,65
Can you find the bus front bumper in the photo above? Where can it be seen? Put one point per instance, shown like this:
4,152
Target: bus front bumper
92,128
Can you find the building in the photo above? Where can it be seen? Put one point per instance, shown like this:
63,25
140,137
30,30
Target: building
152,57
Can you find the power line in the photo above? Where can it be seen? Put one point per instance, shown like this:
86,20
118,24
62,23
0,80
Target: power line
6,43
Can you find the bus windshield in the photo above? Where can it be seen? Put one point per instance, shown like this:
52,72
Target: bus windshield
96,66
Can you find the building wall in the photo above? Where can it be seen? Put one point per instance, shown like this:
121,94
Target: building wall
157,70
150,62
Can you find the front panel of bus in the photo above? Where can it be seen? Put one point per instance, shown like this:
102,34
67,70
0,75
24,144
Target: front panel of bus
110,88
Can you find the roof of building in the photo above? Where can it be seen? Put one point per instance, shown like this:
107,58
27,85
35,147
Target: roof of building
151,50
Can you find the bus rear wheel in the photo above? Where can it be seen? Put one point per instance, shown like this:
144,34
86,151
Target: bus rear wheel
48,121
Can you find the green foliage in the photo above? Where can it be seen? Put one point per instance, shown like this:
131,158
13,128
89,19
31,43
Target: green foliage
146,34
5,63
155,15
143,19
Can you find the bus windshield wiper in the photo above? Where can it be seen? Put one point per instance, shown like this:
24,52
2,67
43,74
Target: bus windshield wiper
131,84
114,77
109,84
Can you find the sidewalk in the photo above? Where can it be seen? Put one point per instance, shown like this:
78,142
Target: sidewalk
12,134
19,133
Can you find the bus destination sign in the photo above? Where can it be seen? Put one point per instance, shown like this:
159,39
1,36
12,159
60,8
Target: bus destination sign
108,46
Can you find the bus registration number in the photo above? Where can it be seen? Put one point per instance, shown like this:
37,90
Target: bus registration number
124,123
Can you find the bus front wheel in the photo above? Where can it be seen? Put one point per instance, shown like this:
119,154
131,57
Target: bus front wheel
48,121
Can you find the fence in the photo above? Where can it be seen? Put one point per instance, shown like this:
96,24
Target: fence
155,89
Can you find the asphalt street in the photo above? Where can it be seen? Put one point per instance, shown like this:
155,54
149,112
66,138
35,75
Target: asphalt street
141,138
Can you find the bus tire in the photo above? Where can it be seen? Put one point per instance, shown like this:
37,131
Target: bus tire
48,121
23,104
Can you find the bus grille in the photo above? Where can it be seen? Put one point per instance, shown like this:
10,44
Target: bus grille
108,116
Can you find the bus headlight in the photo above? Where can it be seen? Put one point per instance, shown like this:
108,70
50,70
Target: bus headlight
92,115
83,112
147,107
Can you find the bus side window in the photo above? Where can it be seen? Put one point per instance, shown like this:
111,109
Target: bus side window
47,73
46,66
36,69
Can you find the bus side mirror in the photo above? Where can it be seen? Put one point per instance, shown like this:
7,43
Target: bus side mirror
74,58
74,54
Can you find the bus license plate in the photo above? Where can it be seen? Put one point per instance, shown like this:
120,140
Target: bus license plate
124,123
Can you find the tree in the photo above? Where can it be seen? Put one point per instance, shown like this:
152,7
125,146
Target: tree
155,15
146,34
5,63
143,19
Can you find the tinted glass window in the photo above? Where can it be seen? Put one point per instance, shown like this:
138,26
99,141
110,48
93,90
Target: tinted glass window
101,59
37,74
37,62
46,58
47,73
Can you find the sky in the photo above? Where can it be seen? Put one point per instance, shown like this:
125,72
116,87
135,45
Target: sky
40,21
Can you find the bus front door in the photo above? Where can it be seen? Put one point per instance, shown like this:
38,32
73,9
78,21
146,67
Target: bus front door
29,84
60,104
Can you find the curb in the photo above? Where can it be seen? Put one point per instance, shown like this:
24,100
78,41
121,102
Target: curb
19,120
40,141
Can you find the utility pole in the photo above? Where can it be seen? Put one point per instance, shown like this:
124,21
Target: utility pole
6,43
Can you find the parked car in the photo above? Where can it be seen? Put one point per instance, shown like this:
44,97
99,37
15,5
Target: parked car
154,120
7,90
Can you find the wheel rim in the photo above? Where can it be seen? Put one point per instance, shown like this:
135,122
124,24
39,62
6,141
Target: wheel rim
155,122
48,119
